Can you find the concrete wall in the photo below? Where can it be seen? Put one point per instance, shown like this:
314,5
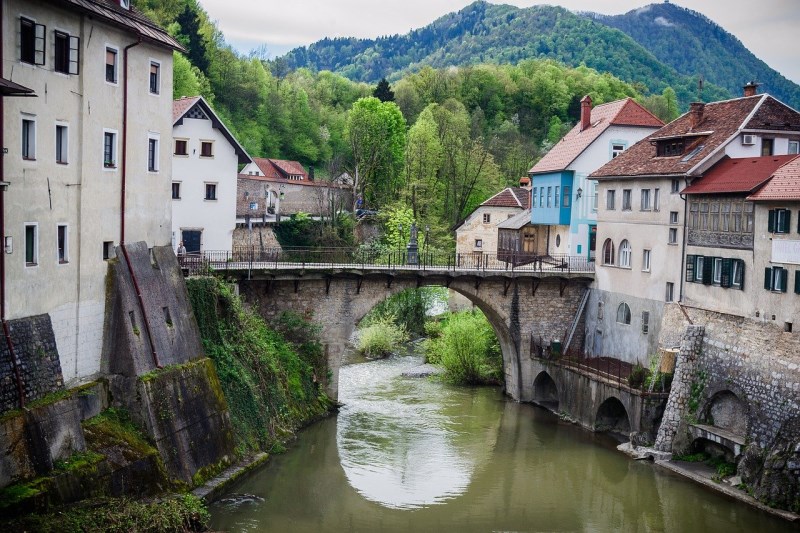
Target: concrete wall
214,218
81,193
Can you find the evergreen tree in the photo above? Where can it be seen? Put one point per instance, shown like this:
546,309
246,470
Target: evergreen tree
383,91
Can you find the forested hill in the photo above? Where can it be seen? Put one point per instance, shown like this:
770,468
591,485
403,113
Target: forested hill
692,44
488,33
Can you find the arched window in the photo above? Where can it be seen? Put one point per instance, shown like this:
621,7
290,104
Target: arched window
625,254
608,252
623,314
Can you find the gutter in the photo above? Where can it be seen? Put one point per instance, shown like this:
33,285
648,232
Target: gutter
122,245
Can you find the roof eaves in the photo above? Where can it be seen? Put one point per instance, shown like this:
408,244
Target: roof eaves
241,153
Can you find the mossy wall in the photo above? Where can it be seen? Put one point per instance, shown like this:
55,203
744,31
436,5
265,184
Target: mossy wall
269,374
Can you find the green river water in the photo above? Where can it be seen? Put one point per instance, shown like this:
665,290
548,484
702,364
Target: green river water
409,455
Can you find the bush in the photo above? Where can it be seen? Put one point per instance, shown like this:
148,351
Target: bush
467,348
637,377
409,308
381,337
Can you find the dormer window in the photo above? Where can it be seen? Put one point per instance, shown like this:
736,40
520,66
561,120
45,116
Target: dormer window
670,147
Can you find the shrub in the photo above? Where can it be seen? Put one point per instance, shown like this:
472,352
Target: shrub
468,349
637,377
381,337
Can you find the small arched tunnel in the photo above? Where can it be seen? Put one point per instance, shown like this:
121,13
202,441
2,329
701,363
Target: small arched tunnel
612,417
545,391
727,411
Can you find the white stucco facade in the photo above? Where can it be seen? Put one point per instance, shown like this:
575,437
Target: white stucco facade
63,217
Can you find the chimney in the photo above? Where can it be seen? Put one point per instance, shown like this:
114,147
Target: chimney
750,88
525,182
586,112
696,113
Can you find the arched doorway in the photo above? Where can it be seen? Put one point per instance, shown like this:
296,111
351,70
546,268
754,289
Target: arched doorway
612,417
545,391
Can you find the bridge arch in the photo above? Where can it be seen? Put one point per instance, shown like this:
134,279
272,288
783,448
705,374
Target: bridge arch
539,305
545,391
612,417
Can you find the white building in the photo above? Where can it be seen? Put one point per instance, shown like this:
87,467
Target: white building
85,165
642,216
205,164
477,234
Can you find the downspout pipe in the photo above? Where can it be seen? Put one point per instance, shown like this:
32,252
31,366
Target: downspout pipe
122,245
6,333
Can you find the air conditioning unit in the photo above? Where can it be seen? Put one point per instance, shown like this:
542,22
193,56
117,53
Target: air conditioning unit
748,140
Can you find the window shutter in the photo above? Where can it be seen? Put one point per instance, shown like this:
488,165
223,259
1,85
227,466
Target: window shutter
787,222
768,278
741,269
797,281
771,221
782,279
74,54
40,33
708,270
690,267
726,272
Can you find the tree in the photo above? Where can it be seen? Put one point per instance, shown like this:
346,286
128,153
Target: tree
422,163
383,91
376,134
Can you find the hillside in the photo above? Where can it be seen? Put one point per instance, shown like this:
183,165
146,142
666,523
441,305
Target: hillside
488,33
692,44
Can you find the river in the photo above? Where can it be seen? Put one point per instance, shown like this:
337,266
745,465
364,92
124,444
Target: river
409,454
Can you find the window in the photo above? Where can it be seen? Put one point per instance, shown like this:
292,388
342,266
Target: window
28,139
626,199
176,190
62,144
108,250
645,200
487,218
778,220
625,254
155,77
109,149
670,148
31,244
676,186
62,238
181,147
541,197
594,196
549,196
610,197
211,191
478,243
32,42
206,149
699,267
670,294
567,198
775,279
645,321
767,146
673,236
557,197
717,271
737,274
623,314
673,217
533,196
794,147
616,149
111,65
656,199
152,155
645,260
608,252
67,53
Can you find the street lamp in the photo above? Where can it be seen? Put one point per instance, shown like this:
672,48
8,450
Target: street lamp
400,240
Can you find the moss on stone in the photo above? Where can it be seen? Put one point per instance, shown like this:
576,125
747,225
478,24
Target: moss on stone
114,427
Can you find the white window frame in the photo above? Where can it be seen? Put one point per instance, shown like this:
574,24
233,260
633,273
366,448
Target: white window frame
35,262
656,199
617,148
674,217
118,57
646,205
154,137
737,271
611,199
65,148
487,218
31,137
699,262
625,254
794,147
66,244
557,197
479,243
114,151
205,191
627,195
716,271
646,260
595,194
626,314
159,74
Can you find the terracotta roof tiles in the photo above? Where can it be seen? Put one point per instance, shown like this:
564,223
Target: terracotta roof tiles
737,175
784,184
182,105
509,197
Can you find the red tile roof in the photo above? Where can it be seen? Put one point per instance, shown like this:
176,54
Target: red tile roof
280,168
784,184
618,113
509,197
721,121
290,167
737,175
182,105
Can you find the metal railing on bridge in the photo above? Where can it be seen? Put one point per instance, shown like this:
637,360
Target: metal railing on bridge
246,258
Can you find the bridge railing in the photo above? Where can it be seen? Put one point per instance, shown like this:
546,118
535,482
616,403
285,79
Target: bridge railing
242,258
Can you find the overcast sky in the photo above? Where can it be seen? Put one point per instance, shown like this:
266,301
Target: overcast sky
769,28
